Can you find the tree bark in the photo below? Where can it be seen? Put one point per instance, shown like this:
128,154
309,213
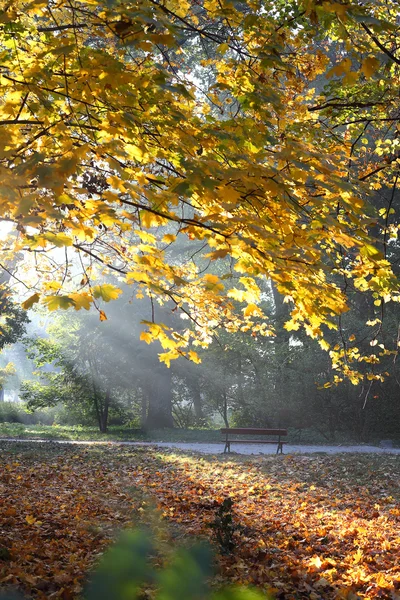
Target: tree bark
159,390
224,408
196,395
143,407
282,351
104,412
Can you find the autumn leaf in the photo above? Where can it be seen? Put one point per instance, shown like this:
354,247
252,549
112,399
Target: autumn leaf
194,357
98,180
312,518
369,66
27,304
57,302
106,292
146,337
81,300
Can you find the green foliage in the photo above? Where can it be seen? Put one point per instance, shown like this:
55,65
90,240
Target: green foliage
224,526
123,570
13,320
127,570
13,412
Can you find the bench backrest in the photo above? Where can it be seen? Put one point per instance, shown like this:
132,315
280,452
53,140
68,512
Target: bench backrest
254,431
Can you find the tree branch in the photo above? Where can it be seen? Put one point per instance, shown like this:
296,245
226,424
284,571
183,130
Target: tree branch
344,105
380,45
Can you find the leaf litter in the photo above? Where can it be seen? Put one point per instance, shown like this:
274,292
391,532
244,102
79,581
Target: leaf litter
318,527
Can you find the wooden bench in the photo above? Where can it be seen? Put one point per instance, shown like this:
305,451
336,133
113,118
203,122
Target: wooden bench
279,433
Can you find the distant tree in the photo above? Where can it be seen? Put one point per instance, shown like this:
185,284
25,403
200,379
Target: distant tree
13,321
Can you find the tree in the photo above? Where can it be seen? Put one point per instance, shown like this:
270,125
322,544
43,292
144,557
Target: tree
112,150
95,368
13,320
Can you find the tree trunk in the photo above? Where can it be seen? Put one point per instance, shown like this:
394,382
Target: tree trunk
282,351
2,394
104,412
143,408
225,409
159,390
197,403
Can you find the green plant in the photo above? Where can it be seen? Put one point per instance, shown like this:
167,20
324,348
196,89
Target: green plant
224,526
127,571
12,412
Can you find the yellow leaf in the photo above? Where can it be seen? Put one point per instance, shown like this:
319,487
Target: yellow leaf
292,325
316,562
166,357
213,279
324,344
30,519
212,282
252,309
145,336
149,219
56,302
82,300
369,66
27,304
370,251
169,238
58,239
134,152
218,254
194,357
222,48
106,292
137,276
103,316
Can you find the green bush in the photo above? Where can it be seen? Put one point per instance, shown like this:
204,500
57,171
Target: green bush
126,571
15,412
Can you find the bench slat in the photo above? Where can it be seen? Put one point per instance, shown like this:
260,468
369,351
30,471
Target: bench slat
253,431
256,442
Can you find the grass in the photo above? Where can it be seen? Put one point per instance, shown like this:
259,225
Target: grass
118,433
320,527
115,433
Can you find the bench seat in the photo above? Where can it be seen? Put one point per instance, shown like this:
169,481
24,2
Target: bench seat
234,431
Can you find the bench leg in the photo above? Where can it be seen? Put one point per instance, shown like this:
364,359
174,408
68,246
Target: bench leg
279,449
227,447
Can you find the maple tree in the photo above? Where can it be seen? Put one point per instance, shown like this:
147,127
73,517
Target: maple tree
115,145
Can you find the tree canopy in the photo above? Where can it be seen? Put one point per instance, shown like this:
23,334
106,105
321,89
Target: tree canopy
260,131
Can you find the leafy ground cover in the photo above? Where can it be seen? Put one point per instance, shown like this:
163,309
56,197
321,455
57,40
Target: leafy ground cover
118,433
317,526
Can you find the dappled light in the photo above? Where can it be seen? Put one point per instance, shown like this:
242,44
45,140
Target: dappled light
312,526
199,221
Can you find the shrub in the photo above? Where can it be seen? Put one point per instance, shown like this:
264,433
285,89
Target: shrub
15,412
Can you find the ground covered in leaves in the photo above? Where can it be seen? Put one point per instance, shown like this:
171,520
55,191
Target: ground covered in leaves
317,526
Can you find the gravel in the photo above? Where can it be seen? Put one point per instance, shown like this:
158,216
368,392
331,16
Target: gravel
237,448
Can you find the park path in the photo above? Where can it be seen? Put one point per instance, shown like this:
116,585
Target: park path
205,448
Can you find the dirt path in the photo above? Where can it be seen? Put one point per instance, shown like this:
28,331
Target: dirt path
205,448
